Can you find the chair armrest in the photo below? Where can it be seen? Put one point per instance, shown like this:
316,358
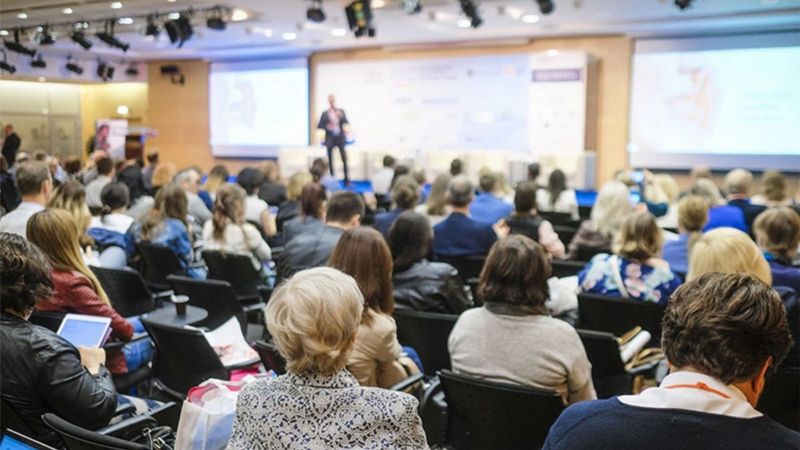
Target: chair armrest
244,364
167,414
163,294
124,409
265,292
113,346
408,382
129,428
250,307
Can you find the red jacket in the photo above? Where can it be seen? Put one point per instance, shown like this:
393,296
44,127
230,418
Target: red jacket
74,293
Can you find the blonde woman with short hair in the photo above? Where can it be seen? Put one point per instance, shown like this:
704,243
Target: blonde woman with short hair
777,232
76,289
692,217
609,212
774,190
727,250
313,318
635,270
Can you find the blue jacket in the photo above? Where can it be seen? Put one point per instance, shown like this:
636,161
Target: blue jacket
384,221
489,209
458,235
725,216
676,253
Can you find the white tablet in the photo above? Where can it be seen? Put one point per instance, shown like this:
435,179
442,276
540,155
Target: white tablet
88,331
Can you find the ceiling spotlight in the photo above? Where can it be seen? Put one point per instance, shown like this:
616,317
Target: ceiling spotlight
116,5
4,65
39,62
238,14
105,71
530,18
216,21
289,36
79,38
179,30
46,37
412,6
683,4
132,70
152,28
463,23
3,32
67,11
470,10
16,46
22,15
73,66
546,6
125,20
314,13
338,32
107,36
359,18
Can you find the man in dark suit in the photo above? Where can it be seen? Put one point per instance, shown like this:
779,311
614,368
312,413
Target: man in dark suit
10,144
458,234
737,184
332,121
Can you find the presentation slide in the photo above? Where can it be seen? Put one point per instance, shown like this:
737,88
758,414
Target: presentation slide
730,103
255,112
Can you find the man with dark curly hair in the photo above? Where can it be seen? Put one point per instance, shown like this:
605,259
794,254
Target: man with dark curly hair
40,372
722,333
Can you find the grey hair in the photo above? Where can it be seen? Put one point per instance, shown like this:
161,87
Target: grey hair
461,191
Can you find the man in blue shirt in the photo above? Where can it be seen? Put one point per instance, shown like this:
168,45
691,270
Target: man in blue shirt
721,333
488,207
458,234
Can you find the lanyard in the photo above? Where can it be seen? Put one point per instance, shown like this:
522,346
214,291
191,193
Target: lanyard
699,385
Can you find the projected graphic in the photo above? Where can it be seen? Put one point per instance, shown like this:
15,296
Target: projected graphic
262,108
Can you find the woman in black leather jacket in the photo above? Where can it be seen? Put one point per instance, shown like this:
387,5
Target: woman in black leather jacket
418,283
41,372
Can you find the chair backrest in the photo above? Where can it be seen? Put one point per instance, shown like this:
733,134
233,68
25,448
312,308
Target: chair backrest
270,357
563,268
619,315
565,233
234,268
781,397
587,253
467,266
498,415
158,261
77,438
557,218
9,419
427,333
215,296
183,358
48,319
602,350
126,290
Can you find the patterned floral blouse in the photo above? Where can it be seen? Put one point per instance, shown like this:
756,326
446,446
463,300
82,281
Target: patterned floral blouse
311,411
642,282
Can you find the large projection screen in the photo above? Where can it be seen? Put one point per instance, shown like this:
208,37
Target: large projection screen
726,102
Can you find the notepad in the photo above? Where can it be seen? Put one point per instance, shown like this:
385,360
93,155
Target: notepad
88,331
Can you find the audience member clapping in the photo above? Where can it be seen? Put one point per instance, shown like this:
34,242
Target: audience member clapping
526,221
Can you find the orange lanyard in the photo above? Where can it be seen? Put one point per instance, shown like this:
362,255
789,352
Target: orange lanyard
699,385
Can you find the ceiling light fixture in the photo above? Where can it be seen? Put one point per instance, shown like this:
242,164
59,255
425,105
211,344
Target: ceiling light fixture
116,5
132,70
179,30
79,38
3,32
530,18
315,13
359,18
73,66
125,20
216,20
46,37
412,6
67,11
107,36
105,71
38,62
22,15
289,36
338,32
546,6
4,65
238,15
16,46
470,10
377,4
152,28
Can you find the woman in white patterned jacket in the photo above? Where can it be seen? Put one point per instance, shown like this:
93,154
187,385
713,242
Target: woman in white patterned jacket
313,318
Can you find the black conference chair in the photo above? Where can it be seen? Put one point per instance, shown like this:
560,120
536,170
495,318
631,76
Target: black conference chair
127,291
238,270
587,253
48,319
484,414
158,261
565,233
617,315
9,419
467,266
77,438
781,397
608,371
557,218
215,296
427,333
563,269
270,357
183,359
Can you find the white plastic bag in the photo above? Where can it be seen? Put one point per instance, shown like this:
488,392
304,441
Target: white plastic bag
207,417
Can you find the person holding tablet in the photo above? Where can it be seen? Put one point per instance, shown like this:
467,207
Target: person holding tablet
40,371
76,289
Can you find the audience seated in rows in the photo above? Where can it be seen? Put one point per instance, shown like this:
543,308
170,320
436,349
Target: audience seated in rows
525,220
777,232
720,214
41,372
727,250
228,231
557,197
312,211
166,224
511,338
315,318
738,183
131,175
291,207
272,190
420,284
488,206
405,196
459,234
35,186
313,249
256,211
721,333
610,210
436,207
71,197
774,191
189,181
216,179
376,356
76,289
382,179
108,229
692,217
105,174
634,270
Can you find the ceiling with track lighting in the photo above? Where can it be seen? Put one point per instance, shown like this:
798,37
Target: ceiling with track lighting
278,28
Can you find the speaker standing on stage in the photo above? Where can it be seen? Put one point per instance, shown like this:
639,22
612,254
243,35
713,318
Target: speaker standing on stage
332,121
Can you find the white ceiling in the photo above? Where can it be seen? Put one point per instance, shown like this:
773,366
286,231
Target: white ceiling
261,34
